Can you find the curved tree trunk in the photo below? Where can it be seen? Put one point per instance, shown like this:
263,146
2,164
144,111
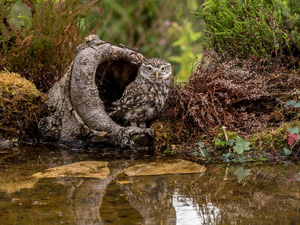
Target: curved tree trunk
78,103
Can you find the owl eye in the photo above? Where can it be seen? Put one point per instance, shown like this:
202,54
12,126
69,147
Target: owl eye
163,69
149,69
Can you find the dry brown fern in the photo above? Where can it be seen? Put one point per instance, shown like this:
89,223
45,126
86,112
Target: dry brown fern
240,94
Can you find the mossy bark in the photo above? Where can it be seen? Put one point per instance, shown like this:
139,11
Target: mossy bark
78,102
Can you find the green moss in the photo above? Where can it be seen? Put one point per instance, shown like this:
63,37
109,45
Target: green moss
21,106
272,139
230,135
295,123
168,135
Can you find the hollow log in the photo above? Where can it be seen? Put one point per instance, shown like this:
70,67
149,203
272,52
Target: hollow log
79,101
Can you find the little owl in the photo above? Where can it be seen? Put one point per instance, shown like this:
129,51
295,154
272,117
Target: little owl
145,97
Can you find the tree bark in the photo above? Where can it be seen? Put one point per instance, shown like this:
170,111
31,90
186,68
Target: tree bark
79,102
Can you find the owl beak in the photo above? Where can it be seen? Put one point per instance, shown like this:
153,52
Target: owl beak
156,74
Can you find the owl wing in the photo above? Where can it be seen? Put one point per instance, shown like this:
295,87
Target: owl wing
134,96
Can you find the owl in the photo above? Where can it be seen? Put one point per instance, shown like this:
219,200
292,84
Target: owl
145,97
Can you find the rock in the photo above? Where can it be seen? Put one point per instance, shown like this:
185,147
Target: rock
158,168
5,144
10,187
88,169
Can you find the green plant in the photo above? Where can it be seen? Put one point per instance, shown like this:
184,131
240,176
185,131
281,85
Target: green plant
241,145
286,152
14,140
240,28
293,139
226,157
201,151
294,103
270,139
293,132
186,38
218,142
221,144
159,29
42,49
169,152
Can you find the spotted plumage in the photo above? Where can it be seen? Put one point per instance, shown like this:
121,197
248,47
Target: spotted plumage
145,97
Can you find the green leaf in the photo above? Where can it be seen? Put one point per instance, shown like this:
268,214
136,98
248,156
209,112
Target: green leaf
291,102
14,140
169,152
242,159
230,142
241,145
205,152
219,142
195,153
226,156
201,145
286,151
297,105
294,130
242,173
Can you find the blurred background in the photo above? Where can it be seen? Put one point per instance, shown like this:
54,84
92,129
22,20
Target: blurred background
163,29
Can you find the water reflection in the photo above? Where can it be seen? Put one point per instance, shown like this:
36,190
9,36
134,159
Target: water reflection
268,196
189,212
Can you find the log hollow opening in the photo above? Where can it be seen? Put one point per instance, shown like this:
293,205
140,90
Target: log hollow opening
112,78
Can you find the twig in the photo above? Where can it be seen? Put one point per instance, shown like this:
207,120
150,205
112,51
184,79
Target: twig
201,151
6,70
225,134
226,172
40,160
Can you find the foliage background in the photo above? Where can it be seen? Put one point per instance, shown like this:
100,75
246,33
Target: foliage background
249,71
164,29
41,48
241,28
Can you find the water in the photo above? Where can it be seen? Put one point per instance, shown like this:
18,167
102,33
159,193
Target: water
270,195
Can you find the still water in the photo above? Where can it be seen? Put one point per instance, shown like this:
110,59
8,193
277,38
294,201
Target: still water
270,195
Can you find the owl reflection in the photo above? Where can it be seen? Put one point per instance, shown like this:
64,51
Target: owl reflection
145,97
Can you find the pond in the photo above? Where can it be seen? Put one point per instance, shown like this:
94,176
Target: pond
110,194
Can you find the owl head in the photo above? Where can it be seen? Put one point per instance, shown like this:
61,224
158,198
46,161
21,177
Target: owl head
155,71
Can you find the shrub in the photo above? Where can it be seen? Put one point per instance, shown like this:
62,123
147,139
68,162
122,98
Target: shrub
42,49
240,28
240,94
239,86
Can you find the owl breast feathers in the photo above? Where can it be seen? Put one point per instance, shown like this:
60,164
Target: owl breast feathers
145,97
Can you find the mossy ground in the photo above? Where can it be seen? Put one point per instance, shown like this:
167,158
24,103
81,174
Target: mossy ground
21,106
267,143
